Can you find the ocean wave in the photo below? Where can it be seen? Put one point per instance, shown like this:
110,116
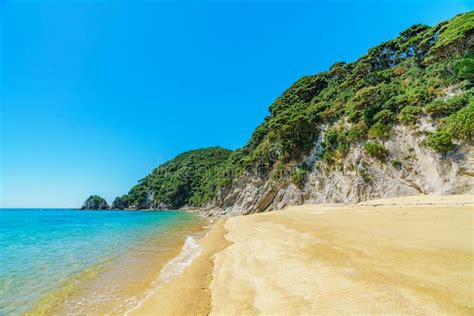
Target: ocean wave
175,267
190,251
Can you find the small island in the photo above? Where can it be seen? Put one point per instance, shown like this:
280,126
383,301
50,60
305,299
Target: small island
95,202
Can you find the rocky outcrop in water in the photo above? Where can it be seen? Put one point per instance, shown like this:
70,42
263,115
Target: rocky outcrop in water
95,202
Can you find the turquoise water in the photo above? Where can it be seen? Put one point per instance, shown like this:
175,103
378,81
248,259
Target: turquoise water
43,250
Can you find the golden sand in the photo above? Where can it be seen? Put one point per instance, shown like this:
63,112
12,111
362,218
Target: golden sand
189,294
411,255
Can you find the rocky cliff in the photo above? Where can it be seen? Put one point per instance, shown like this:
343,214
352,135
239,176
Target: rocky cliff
397,121
410,168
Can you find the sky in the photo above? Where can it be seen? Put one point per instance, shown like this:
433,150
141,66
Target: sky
96,94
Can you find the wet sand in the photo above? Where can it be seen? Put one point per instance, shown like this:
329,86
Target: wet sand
410,255
189,294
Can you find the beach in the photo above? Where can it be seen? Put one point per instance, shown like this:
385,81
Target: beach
403,255
69,262
190,292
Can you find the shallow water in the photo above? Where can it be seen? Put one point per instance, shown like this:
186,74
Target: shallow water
94,262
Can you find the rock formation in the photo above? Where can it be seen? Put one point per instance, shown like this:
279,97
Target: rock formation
95,202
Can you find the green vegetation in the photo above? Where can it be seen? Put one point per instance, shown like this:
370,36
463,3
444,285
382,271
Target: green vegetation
409,115
454,32
461,123
441,141
365,175
425,70
441,108
376,150
380,130
188,179
464,68
397,164
335,145
298,177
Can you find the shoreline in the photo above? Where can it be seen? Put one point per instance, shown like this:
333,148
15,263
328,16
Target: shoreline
118,284
406,200
193,285
400,255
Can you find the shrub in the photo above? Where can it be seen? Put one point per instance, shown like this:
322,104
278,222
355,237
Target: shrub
368,101
396,164
380,130
298,176
365,175
440,108
278,171
356,133
454,31
383,125
385,116
441,141
436,108
464,68
376,150
409,115
461,123
417,94
396,102
335,144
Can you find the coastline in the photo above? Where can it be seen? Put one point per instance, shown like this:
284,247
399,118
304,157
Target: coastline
117,284
189,293
403,255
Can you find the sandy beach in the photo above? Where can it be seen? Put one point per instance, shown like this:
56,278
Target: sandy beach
189,294
405,255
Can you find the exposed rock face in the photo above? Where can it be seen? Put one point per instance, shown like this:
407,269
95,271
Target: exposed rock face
95,202
412,168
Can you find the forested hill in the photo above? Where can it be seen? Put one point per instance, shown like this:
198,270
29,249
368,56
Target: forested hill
188,179
371,128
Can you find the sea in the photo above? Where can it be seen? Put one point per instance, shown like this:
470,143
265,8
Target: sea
66,261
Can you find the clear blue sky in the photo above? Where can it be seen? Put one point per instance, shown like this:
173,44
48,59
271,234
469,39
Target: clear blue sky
94,94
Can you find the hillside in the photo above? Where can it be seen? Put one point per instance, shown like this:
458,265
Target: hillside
189,179
397,121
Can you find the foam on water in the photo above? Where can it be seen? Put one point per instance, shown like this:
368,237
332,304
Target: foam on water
71,262
175,267
191,250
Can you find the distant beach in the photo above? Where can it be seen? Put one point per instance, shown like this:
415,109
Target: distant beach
404,255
